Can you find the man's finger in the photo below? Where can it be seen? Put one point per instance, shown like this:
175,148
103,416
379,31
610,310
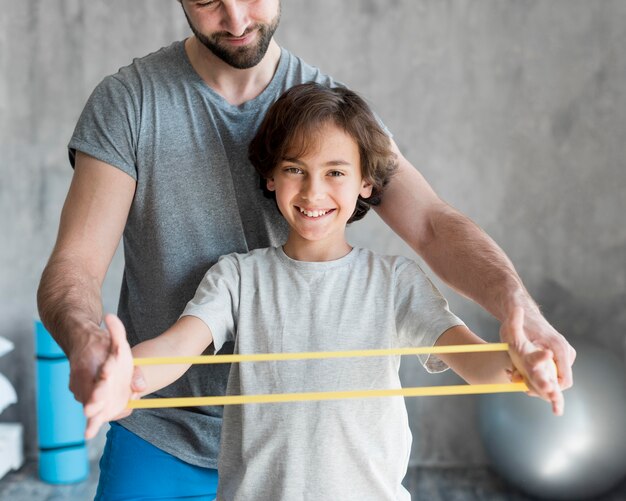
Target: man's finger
77,390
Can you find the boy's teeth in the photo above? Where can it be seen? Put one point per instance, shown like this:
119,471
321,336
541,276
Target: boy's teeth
313,213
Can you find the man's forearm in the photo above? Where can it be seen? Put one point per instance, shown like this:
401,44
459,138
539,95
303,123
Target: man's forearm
452,245
470,262
69,302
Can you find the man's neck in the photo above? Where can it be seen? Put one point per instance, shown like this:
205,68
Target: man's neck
234,85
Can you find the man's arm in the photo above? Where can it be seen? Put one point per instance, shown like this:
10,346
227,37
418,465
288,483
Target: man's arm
108,401
69,295
469,261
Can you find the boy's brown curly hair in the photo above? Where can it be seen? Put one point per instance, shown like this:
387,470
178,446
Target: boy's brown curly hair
293,124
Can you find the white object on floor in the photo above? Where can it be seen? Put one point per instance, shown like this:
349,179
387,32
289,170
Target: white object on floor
7,393
11,447
5,346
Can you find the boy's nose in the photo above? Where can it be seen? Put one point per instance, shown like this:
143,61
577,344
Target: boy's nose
312,190
236,19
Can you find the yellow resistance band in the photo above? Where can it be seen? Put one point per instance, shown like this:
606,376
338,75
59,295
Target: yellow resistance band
266,357
152,403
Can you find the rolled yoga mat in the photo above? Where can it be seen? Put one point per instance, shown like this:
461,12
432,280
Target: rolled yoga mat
61,422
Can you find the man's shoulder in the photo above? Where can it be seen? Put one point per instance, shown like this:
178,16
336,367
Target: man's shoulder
299,71
161,61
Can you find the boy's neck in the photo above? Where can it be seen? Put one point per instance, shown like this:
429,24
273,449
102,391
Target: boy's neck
234,85
300,249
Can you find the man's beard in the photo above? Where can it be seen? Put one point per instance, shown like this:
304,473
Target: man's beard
239,57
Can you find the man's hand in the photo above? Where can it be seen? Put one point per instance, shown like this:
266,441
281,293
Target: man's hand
86,358
533,344
86,361
112,389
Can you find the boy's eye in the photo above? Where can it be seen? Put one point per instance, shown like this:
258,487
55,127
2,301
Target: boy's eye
293,170
335,173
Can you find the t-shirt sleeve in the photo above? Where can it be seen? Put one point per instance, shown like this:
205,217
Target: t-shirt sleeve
108,127
422,313
216,301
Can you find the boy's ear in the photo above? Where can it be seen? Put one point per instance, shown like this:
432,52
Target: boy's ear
366,189
270,184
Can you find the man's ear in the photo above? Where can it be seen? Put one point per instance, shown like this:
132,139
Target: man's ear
270,184
366,189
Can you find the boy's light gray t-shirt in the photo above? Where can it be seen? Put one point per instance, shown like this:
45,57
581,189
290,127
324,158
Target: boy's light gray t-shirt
197,198
351,449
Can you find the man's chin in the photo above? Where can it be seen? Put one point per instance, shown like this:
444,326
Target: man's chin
240,58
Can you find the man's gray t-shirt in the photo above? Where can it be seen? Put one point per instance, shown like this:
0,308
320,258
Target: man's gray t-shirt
351,449
197,198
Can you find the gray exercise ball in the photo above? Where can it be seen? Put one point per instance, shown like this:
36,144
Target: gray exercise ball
576,456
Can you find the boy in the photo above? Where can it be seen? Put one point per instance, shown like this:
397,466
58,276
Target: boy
324,158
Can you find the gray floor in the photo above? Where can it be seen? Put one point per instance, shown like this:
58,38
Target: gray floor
430,484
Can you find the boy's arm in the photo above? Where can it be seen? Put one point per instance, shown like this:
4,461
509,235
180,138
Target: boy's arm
189,336
468,260
475,368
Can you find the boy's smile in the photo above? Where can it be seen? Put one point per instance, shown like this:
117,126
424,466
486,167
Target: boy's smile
314,213
317,194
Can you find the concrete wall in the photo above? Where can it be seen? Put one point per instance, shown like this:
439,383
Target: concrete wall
513,110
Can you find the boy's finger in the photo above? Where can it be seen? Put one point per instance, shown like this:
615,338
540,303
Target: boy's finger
125,413
539,357
517,319
138,382
93,425
107,369
92,408
564,356
96,402
117,331
515,328
545,380
558,403
543,372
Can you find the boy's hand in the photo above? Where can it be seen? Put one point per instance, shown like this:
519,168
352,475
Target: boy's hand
113,387
535,366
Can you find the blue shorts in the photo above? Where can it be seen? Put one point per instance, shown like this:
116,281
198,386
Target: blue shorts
133,469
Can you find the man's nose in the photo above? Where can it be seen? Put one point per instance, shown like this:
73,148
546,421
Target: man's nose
236,19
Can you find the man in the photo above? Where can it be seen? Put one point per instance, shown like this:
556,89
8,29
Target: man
142,150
